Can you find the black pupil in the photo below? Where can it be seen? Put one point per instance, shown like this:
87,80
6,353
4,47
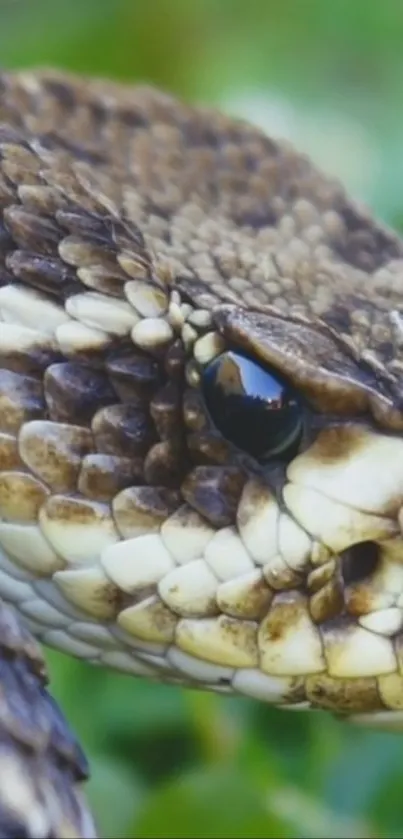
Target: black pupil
253,407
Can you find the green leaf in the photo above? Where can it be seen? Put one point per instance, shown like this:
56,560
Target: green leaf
219,803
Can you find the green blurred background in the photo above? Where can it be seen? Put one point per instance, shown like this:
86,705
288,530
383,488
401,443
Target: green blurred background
329,75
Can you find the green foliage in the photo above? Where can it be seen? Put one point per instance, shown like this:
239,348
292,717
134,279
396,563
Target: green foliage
173,763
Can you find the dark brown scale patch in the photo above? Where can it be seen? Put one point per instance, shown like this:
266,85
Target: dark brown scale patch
99,114
32,233
45,273
343,695
209,447
366,246
166,411
128,235
257,217
6,241
77,391
62,92
194,290
84,224
201,135
195,412
133,375
132,117
166,464
63,181
214,492
103,476
21,399
174,361
339,316
56,142
124,430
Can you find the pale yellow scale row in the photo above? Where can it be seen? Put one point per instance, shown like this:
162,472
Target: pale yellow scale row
179,578
219,653
89,320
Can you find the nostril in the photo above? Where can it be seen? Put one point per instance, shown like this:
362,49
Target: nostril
359,562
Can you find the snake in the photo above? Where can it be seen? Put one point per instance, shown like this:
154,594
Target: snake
201,422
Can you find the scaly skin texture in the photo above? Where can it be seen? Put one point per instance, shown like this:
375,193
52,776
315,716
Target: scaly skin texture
139,239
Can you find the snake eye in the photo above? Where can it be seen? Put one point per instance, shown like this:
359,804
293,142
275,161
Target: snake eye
252,406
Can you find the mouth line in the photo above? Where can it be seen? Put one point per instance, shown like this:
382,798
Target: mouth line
392,514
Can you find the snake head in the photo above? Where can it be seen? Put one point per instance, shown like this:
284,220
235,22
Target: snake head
201,412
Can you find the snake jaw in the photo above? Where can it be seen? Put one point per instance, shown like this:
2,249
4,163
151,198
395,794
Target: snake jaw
346,490
214,583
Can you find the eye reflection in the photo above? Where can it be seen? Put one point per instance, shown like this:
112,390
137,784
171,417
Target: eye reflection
253,406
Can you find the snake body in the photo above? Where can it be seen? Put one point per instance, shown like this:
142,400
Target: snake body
139,239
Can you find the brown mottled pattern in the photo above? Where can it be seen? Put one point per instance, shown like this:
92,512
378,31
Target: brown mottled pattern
40,761
138,238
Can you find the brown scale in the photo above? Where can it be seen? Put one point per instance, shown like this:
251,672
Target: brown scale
214,492
143,509
32,233
123,429
21,400
89,229
43,272
133,375
327,594
255,606
341,696
208,447
166,411
30,360
103,476
53,452
76,390
86,253
166,463
9,454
